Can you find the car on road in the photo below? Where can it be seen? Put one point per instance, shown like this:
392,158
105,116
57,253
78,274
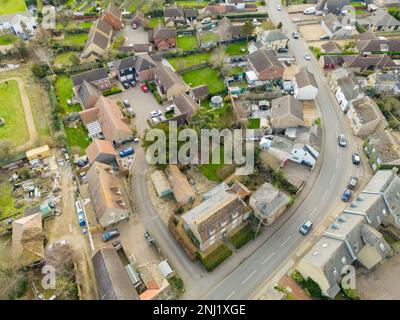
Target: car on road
279,7
306,227
355,157
342,140
155,113
295,35
352,183
149,238
126,104
346,195
144,88
132,83
111,234
307,57
126,84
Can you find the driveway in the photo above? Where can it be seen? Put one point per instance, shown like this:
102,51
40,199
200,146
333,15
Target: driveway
133,36
312,32
142,103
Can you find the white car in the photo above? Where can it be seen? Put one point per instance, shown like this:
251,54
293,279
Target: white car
307,57
155,113
279,7
58,244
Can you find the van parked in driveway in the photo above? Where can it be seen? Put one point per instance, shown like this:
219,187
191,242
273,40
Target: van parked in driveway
310,10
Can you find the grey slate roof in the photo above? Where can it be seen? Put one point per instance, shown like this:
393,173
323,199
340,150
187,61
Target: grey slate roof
161,32
273,35
174,12
382,18
185,104
89,76
200,91
348,87
113,282
88,90
263,59
167,77
286,105
305,78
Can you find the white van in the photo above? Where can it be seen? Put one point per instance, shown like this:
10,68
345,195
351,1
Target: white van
206,20
310,10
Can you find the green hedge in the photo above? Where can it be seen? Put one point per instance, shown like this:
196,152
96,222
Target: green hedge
215,258
240,238
111,91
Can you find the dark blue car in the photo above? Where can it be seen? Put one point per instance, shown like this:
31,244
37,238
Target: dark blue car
346,196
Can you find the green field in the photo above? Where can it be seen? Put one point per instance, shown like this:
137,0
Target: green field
78,138
64,92
180,63
12,6
6,201
208,76
11,110
64,59
77,39
187,42
217,171
192,4
155,21
235,49
7,39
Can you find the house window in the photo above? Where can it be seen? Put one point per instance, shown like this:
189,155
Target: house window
223,224
211,232
212,239
234,215
382,247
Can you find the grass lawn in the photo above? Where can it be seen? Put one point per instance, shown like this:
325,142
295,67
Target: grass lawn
11,110
78,138
254,123
155,21
215,258
7,39
12,6
180,63
6,201
209,37
217,171
244,235
235,49
208,76
235,70
77,39
187,42
64,59
192,4
64,92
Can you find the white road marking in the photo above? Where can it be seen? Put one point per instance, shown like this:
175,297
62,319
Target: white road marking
230,295
333,177
248,278
314,211
325,194
337,162
269,257
70,228
284,242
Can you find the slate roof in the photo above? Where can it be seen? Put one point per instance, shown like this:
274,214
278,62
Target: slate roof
331,46
200,91
88,90
174,12
161,32
348,87
185,104
372,60
305,78
89,76
113,282
273,35
167,77
263,59
286,105
378,45
382,18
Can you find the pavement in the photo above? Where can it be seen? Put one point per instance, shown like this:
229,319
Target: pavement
243,273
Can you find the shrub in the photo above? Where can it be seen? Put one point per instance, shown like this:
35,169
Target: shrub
40,70
215,258
111,91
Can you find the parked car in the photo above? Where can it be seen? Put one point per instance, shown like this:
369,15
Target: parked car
342,140
149,238
126,84
288,63
295,35
206,21
307,57
126,152
132,83
144,88
306,227
310,10
131,112
126,104
352,183
346,195
61,162
155,113
282,50
324,37
170,108
134,26
136,139
279,7
355,157
82,163
108,235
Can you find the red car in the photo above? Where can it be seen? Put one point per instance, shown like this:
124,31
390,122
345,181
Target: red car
144,88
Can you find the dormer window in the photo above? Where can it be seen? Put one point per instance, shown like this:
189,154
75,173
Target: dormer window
211,232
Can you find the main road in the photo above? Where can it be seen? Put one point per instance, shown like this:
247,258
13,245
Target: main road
242,274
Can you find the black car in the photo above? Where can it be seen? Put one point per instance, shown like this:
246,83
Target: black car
126,84
126,103
282,50
132,83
